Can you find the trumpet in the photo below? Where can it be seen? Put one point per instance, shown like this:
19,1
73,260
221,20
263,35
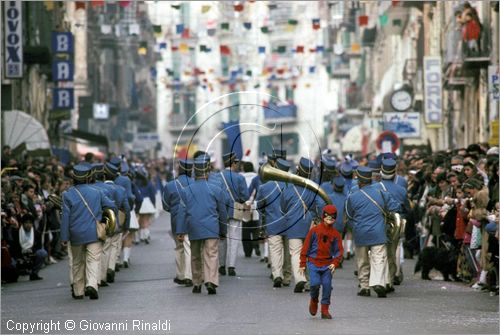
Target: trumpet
267,172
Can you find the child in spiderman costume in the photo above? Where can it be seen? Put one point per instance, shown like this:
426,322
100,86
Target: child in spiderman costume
322,253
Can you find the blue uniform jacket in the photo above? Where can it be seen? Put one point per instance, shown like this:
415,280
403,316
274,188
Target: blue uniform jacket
401,181
254,185
268,205
171,199
137,197
298,214
338,200
77,224
126,183
398,193
327,187
205,211
149,191
117,194
365,218
237,186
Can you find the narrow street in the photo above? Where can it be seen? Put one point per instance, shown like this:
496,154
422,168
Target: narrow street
246,304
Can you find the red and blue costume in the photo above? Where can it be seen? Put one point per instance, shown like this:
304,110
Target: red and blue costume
322,248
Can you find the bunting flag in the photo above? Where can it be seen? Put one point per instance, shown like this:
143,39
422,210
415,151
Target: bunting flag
299,49
143,48
247,25
163,45
239,7
170,72
97,3
262,50
179,28
124,3
293,22
397,22
280,71
183,47
290,28
176,6
224,26
80,5
312,69
272,6
49,5
224,50
356,47
312,50
315,24
383,19
211,32
395,2
363,20
185,33
264,29
205,9
281,49
175,48
249,73
203,48
157,30
320,48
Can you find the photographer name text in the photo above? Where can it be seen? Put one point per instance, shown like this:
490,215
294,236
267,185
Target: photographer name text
47,327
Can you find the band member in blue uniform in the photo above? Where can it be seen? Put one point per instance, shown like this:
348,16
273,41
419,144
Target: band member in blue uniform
82,208
394,248
327,173
171,200
237,189
365,217
273,225
299,206
205,222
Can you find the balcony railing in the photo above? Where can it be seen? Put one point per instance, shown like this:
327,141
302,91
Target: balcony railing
179,122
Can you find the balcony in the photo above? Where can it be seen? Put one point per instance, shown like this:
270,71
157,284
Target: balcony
179,122
280,113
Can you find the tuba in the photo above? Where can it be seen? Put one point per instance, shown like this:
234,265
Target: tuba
109,218
267,172
395,227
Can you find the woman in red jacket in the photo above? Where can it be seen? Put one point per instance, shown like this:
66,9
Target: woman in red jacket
471,33
322,251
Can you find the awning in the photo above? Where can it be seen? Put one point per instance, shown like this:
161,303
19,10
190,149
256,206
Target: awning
88,137
21,128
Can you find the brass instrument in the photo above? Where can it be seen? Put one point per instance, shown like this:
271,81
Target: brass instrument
267,172
56,200
395,226
109,218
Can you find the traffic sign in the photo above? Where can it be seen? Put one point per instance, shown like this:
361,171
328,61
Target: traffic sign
388,136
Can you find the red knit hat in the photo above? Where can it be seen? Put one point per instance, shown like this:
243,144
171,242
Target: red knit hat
330,209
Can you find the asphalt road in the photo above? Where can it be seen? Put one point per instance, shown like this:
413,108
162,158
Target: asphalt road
145,295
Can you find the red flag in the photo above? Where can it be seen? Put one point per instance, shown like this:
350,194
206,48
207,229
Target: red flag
363,20
79,5
238,7
299,49
96,3
280,71
224,49
185,33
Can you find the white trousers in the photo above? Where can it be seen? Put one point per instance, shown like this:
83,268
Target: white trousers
228,248
86,261
106,251
373,269
182,258
295,246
